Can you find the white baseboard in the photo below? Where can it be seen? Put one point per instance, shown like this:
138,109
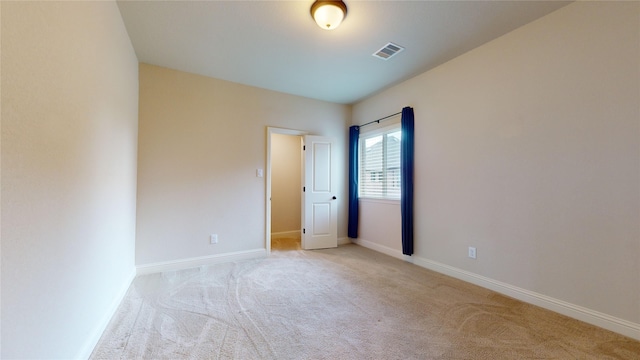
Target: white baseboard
590,316
95,336
199,261
285,234
344,241
612,323
383,249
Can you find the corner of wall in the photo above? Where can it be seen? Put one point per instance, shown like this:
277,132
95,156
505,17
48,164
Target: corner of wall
94,337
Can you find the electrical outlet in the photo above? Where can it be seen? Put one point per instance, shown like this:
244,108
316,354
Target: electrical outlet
472,252
214,238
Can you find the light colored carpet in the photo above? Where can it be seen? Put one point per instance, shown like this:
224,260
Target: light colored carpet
344,303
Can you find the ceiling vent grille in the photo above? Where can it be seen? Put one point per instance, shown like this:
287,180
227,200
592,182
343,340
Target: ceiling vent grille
388,51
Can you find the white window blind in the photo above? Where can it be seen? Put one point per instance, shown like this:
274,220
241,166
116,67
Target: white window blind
380,164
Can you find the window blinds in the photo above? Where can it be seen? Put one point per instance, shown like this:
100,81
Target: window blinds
380,164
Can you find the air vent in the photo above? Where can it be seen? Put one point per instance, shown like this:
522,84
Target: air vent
388,51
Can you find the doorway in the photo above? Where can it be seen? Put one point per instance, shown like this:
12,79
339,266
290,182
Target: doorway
316,212
286,192
284,188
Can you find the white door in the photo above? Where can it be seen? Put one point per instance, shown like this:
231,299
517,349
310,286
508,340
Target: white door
320,206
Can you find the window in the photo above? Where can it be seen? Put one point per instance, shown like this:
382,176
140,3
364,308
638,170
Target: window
380,163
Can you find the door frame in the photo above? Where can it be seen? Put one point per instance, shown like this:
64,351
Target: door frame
270,132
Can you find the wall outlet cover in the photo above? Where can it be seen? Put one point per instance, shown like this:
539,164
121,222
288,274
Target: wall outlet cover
472,252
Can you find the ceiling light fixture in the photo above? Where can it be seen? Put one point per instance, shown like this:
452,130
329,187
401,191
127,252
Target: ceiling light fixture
328,14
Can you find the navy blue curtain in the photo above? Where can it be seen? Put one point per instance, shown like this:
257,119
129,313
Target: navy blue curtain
354,134
406,179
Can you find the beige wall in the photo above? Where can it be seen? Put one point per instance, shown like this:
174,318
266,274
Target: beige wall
201,141
380,223
286,183
69,137
528,148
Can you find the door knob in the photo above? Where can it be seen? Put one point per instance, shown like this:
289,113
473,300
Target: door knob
334,198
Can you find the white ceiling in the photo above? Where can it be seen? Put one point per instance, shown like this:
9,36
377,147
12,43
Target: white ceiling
276,45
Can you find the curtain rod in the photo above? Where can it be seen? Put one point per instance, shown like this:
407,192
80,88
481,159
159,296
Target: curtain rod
378,121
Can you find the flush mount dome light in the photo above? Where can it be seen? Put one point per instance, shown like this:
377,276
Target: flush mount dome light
328,14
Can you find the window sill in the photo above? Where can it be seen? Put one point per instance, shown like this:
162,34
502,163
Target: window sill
379,201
